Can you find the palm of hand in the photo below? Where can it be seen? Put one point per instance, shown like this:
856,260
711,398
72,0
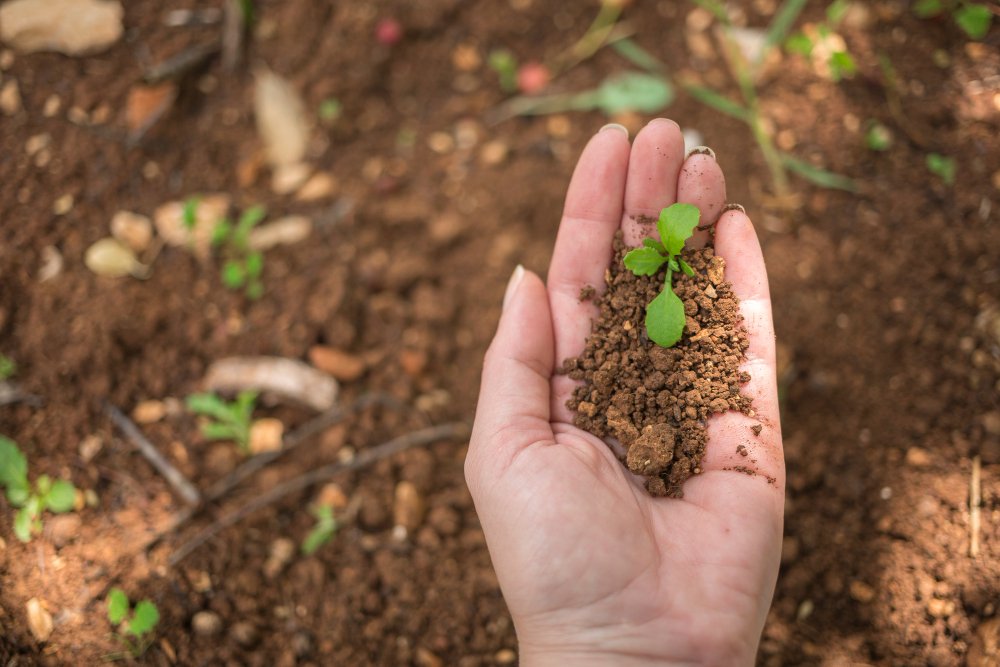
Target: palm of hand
593,568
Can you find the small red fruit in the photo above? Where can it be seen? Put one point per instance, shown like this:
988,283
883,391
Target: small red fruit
388,32
532,77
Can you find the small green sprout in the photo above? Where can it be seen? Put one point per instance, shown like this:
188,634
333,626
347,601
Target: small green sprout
137,635
942,166
189,214
330,110
7,367
243,266
322,532
54,495
840,62
504,64
665,314
972,17
877,136
229,421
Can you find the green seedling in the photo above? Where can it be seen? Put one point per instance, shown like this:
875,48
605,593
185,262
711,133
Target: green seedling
189,214
665,314
504,64
877,136
322,532
243,265
47,494
942,166
228,421
7,367
619,93
135,624
330,110
840,62
972,17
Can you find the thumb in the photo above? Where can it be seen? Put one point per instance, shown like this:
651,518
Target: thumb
513,409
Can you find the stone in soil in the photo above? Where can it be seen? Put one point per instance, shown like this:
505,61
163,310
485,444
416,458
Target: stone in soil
655,401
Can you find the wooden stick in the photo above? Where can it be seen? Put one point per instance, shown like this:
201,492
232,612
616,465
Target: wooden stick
975,501
452,431
184,488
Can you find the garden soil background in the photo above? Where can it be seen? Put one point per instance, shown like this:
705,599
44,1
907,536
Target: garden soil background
887,305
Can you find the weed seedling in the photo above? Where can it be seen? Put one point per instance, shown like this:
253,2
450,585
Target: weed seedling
840,63
972,17
877,136
322,532
229,421
7,367
330,110
243,266
665,314
47,494
504,64
135,629
942,166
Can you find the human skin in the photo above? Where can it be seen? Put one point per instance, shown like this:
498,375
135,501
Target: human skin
593,569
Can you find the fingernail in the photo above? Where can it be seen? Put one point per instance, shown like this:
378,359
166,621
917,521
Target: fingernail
701,150
515,280
734,207
615,126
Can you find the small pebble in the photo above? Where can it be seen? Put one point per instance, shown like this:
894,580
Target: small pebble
918,457
861,591
206,623
505,656
39,620
148,412
408,506
134,230
266,435
62,528
244,633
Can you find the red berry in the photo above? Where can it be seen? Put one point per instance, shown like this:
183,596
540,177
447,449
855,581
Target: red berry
388,32
532,77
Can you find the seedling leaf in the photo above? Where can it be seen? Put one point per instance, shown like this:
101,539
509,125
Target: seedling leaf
644,261
61,497
656,245
144,619
322,532
837,10
676,224
782,23
254,265
928,8
13,465
942,166
7,367
630,91
208,404
233,275
842,65
189,216
117,605
799,43
638,56
665,318
974,20
818,175
686,268
22,525
720,103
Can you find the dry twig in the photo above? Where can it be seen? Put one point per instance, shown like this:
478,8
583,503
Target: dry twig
452,431
184,488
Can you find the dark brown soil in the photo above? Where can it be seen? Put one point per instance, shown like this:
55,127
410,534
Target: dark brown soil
652,400
887,307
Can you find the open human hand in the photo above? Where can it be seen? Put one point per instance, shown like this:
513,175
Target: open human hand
593,569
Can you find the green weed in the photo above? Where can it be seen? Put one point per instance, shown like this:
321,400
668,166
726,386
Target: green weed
47,494
228,421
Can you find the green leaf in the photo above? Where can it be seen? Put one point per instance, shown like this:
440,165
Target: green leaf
233,274
22,524
837,10
974,20
221,232
13,465
676,224
18,495
208,404
504,64
255,290
220,431
720,103
330,109
927,8
244,404
43,485
254,265
665,318
638,56
686,268
655,245
672,263
878,137
144,619
782,23
189,216
61,497
250,218
7,367
818,175
942,166
842,65
117,605
644,261
322,532
629,91
799,43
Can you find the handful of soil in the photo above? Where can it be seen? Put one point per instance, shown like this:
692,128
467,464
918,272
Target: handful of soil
655,401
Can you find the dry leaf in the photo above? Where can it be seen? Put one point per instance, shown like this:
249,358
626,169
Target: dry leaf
281,119
146,105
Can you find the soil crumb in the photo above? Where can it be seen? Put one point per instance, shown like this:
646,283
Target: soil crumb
655,401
